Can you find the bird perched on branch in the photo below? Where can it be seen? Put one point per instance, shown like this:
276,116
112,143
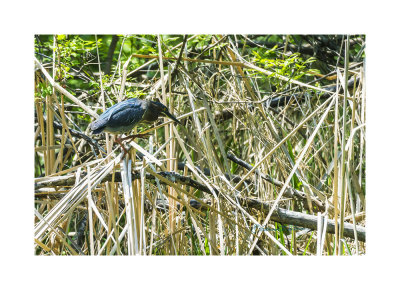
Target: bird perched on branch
124,116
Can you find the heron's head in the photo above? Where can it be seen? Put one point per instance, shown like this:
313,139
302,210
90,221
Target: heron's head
163,110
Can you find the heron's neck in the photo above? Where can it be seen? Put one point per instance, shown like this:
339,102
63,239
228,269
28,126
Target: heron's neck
150,115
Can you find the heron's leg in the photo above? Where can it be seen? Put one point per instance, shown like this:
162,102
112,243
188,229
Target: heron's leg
118,140
131,137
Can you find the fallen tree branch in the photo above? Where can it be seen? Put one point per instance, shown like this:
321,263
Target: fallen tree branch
283,100
77,134
294,218
279,215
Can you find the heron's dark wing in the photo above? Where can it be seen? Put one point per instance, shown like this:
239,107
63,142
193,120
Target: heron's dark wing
127,115
123,114
99,125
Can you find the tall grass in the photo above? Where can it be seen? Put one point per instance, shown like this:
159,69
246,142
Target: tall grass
243,175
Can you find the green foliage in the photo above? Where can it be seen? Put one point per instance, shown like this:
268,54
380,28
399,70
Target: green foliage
200,41
308,244
43,90
207,246
292,66
295,180
73,49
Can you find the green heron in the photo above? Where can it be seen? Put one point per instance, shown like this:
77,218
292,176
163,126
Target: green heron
124,116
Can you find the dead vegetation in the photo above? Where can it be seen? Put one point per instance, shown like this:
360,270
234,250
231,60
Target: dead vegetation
268,161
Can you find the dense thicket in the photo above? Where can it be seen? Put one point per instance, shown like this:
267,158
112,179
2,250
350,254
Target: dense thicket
272,144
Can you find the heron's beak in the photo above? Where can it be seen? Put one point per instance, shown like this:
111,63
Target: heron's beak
169,115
